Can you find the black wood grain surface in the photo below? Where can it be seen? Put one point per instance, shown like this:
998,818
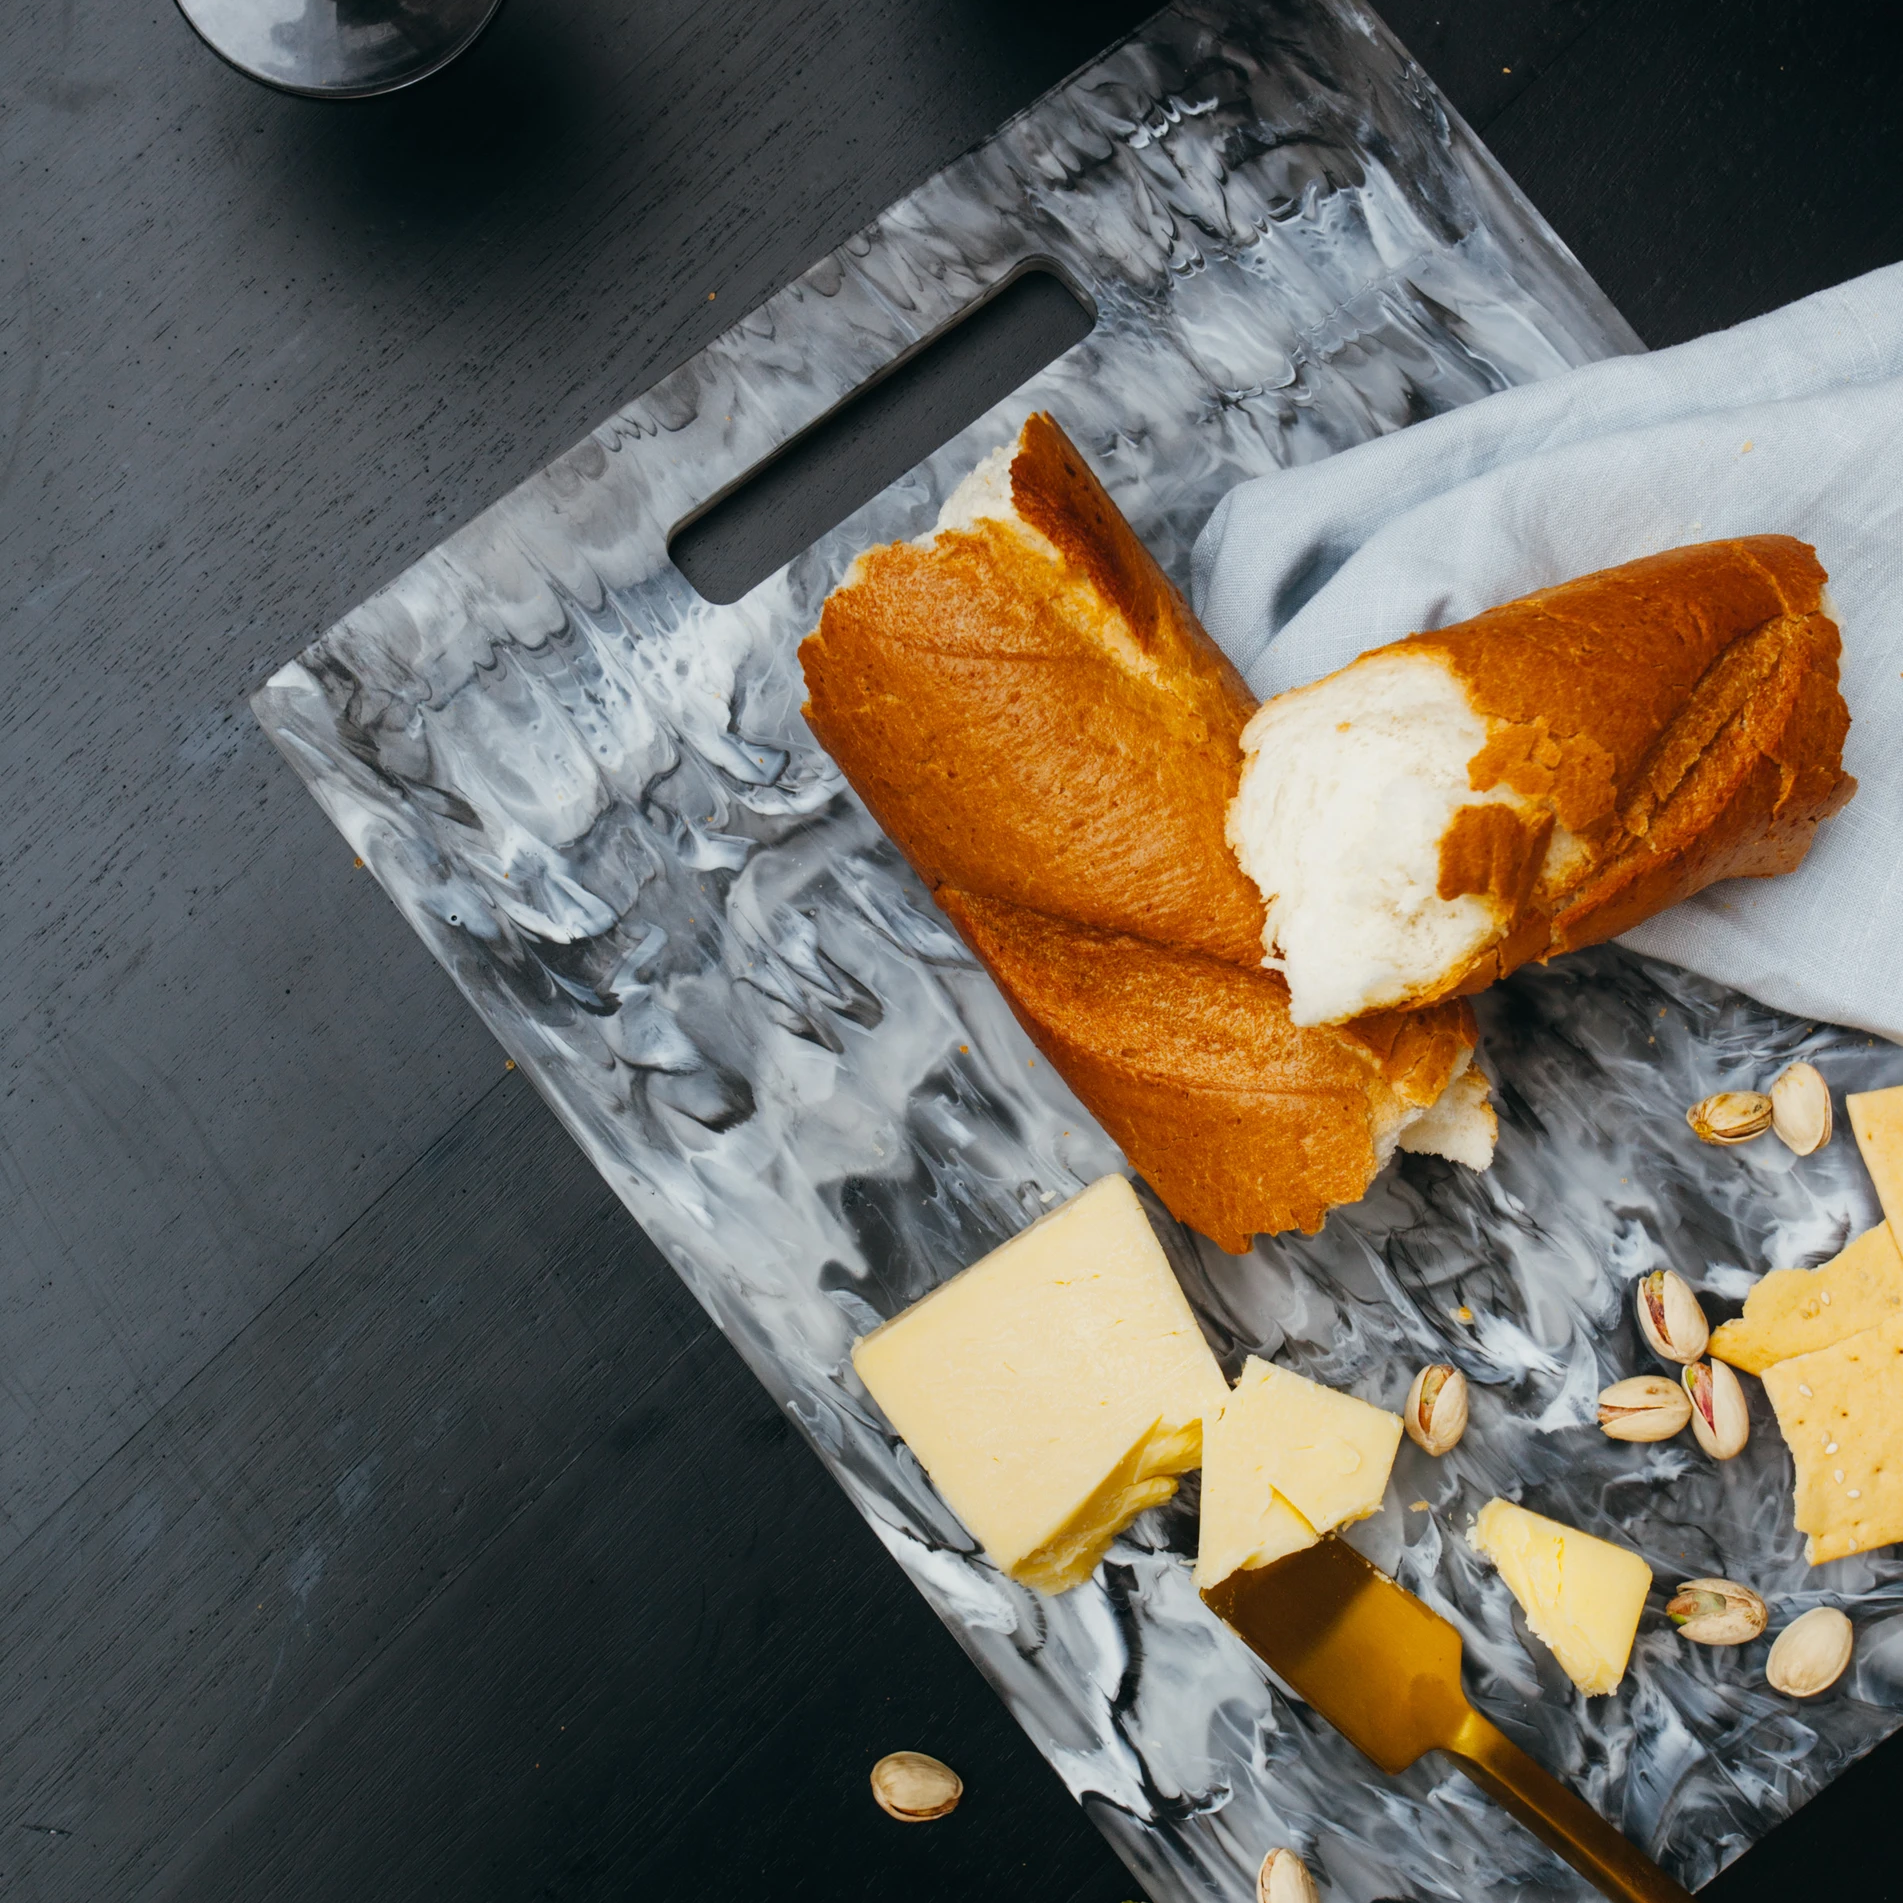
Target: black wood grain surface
378,1516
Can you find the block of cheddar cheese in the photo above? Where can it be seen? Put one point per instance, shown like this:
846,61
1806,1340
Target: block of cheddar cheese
1797,1311
1054,1389
1286,1460
1581,1595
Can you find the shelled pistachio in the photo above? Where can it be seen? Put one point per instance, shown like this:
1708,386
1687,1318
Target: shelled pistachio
1647,1407
1436,1412
914,1788
1800,1109
1284,1878
1717,1612
1670,1317
1731,1116
1721,1419
1810,1654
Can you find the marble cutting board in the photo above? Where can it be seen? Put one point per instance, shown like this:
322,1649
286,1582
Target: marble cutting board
591,793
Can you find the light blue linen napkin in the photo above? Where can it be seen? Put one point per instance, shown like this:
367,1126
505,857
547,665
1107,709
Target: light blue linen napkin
1792,424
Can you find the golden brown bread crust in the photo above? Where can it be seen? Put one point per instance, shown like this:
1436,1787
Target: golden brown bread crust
1678,715
1041,725
1040,718
1242,1123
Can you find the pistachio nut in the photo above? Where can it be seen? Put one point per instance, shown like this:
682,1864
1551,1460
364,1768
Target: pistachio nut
914,1788
1284,1878
1810,1654
1800,1109
1721,1420
1436,1412
1716,1612
1732,1116
1647,1407
1670,1318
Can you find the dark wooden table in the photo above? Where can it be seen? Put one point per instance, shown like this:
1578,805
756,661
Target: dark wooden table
378,1517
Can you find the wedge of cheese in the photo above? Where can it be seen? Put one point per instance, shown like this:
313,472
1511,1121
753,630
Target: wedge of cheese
1581,1595
1797,1311
1286,1460
1876,1120
1053,1389
1252,1525
1841,1410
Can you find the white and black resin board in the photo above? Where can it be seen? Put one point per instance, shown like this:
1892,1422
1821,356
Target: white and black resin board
591,793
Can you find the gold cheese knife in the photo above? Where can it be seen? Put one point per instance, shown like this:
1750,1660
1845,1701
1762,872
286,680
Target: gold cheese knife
1384,1670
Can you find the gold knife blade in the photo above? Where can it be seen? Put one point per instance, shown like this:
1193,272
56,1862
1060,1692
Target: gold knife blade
1384,1670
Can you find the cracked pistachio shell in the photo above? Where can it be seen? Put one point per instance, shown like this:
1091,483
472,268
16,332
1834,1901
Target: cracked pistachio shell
1732,1116
1800,1109
914,1788
1717,1612
1647,1407
1670,1318
1810,1654
1721,1419
1436,1413
1284,1878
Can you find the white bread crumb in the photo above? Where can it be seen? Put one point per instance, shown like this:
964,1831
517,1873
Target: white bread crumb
985,494
1460,1125
1347,787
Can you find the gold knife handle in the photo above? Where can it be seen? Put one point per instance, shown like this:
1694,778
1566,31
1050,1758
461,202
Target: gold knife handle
1560,1819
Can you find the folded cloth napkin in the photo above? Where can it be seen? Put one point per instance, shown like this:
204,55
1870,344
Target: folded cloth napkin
1792,423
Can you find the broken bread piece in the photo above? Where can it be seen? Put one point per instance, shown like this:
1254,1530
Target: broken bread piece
1285,1461
1543,776
1460,1124
1031,711
1033,714
1797,1311
1243,1124
1841,1412
1582,1595
1054,1389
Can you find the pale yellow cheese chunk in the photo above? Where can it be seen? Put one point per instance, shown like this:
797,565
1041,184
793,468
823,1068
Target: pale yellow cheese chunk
1841,1410
1581,1595
1252,1526
1287,1459
1797,1311
1052,1389
1876,1120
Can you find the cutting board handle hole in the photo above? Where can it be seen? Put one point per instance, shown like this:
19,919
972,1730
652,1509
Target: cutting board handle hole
784,505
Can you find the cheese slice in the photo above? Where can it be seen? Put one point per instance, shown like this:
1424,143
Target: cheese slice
1581,1595
1876,1120
1250,1526
1052,1389
1287,1459
1841,1410
1797,1311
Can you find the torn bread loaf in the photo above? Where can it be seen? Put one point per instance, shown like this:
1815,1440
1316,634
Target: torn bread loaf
1543,776
1241,1122
1031,711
